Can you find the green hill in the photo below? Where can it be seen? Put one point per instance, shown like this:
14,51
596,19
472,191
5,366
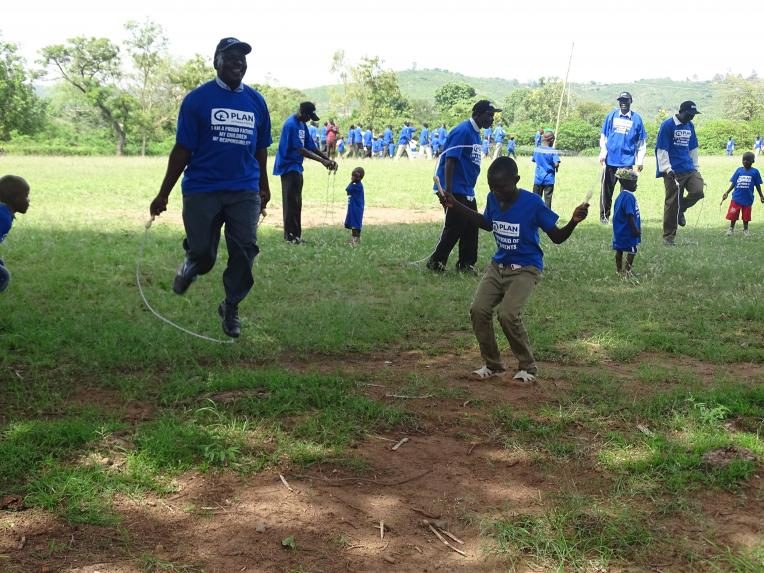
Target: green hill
650,95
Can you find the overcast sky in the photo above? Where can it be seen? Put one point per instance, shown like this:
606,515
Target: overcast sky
294,40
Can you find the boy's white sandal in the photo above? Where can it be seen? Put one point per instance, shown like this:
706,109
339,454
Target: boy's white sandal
483,373
524,376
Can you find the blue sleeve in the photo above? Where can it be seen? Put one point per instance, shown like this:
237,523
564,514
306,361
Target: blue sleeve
606,124
533,157
664,139
310,144
734,177
757,177
545,217
264,137
187,133
630,207
6,221
555,158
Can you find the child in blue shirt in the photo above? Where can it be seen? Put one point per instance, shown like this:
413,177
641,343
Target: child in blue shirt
742,183
511,146
547,163
354,217
627,225
14,198
341,147
515,217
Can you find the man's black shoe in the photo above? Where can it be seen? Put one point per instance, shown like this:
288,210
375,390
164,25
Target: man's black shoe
681,221
230,315
181,282
467,269
436,266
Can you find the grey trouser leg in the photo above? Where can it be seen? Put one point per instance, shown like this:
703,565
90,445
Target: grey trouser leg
675,199
204,215
545,191
509,291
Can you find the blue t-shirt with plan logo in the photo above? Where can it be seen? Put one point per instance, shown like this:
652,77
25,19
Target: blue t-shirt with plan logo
744,182
294,136
624,133
223,129
467,157
516,230
678,140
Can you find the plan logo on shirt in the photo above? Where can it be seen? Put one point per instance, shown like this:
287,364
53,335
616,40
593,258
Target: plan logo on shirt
506,229
622,125
744,181
235,117
682,137
477,153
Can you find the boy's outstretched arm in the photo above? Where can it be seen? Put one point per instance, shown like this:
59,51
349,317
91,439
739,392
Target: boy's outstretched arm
450,201
561,235
727,192
758,188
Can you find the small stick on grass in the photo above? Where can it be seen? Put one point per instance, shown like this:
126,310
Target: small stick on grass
284,481
452,536
404,397
381,529
446,543
400,443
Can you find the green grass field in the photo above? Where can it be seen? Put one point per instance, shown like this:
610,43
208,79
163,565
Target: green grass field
73,329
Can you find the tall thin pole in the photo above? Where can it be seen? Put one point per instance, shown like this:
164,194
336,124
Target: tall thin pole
562,95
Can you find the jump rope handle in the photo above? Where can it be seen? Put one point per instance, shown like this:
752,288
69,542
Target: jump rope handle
439,192
149,222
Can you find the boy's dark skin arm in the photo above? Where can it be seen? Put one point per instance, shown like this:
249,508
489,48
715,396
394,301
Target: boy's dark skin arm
560,235
633,224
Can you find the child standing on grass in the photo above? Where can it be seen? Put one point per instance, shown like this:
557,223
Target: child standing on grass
742,183
14,198
354,217
515,217
547,163
627,225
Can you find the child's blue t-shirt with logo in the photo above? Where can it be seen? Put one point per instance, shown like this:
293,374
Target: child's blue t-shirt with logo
223,130
625,205
545,163
6,221
463,143
294,136
744,182
516,230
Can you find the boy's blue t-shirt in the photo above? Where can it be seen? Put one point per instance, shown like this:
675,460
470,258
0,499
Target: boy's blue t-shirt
313,131
625,205
744,182
424,136
516,230
293,138
223,130
405,135
387,136
368,137
355,189
358,135
545,163
467,159
341,146
376,146
511,145
322,134
442,133
6,221
624,136
678,140
487,133
485,146
498,135
537,139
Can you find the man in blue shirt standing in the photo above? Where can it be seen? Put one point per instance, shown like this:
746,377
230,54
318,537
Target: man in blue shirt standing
676,154
425,149
623,144
407,132
223,134
730,148
458,170
295,145
387,141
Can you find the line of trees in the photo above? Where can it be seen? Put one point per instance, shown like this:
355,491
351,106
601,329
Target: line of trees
125,98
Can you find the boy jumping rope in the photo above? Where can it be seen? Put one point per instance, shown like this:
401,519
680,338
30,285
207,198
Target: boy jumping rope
515,217
741,185
14,198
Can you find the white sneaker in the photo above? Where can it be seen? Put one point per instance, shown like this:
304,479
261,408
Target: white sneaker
483,373
524,376
729,232
746,233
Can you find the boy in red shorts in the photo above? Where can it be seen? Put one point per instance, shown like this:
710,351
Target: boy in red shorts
742,183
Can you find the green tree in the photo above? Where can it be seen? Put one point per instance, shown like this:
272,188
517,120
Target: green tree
189,75
451,94
20,108
377,92
537,105
147,45
92,65
742,99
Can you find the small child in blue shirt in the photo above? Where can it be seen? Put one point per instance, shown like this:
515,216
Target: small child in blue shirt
354,217
515,217
742,183
627,225
14,198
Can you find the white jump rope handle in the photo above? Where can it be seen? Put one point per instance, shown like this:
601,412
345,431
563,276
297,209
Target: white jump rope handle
148,223
440,192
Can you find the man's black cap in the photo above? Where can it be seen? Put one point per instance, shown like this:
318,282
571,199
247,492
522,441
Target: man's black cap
483,106
227,43
688,106
308,108
624,95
